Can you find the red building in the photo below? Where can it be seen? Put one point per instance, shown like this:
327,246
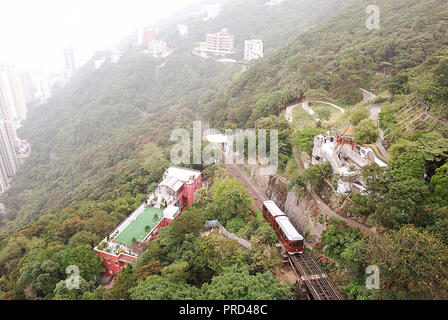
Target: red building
149,34
162,207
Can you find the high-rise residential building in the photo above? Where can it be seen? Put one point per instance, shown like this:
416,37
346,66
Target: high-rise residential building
218,44
3,180
70,64
69,56
9,163
221,41
13,92
149,35
28,87
9,142
5,113
146,35
8,155
253,49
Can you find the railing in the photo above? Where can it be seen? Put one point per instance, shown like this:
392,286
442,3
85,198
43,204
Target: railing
216,225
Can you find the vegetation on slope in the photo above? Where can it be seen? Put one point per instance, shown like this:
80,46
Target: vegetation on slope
336,58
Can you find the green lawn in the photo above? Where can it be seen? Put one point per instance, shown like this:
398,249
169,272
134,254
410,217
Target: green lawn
137,228
335,113
301,118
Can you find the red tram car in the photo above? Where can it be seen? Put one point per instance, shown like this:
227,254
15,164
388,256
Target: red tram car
288,235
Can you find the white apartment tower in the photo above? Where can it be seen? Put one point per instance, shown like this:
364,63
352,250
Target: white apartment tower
253,49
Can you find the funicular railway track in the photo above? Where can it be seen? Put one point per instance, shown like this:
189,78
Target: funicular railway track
314,278
305,266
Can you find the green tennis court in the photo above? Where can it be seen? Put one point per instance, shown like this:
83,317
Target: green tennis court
137,228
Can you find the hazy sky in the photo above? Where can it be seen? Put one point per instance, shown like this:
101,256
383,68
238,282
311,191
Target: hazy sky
34,33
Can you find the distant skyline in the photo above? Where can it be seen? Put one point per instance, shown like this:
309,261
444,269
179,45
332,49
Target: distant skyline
34,33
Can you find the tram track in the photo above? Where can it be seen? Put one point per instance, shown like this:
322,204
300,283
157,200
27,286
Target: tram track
305,266
315,279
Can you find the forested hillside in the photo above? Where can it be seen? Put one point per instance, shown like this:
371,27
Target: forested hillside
97,125
90,134
102,143
338,57
253,19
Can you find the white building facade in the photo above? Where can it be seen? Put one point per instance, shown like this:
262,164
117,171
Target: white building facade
253,49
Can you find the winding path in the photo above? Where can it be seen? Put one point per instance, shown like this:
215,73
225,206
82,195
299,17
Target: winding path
290,110
331,104
325,208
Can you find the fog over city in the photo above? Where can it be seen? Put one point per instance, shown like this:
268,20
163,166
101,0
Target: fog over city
35,33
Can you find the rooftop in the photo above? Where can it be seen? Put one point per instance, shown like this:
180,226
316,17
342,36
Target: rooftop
172,183
346,131
136,229
273,209
182,174
289,229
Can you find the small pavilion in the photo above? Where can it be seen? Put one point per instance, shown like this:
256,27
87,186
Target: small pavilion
345,134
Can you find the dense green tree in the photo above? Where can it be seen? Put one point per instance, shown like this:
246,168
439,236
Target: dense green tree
395,202
313,176
354,256
88,262
408,165
366,132
229,200
61,292
69,227
211,254
123,283
236,284
84,237
359,114
177,272
304,139
41,271
152,268
439,186
100,293
101,223
411,261
158,288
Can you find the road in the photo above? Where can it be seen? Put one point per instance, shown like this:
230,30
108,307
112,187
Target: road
366,95
375,110
331,104
289,112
